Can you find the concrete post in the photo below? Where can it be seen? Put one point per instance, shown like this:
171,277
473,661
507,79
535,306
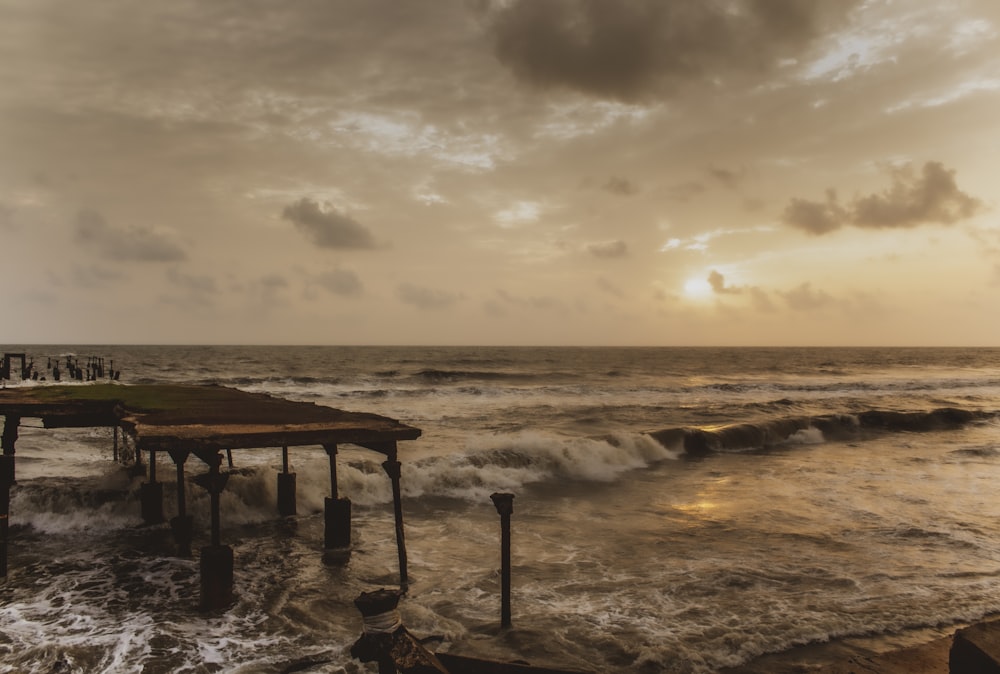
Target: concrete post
8,439
505,507
216,559
151,494
286,487
182,524
6,481
337,514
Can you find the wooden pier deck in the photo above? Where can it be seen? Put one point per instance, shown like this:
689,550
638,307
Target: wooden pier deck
205,421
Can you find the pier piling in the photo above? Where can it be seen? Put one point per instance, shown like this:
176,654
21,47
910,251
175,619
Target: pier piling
6,481
151,495
286,487
337,514
505,507
183,524
216,559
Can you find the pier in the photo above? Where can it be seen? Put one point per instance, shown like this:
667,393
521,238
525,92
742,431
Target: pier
207,423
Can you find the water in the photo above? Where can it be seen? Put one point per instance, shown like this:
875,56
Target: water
822,515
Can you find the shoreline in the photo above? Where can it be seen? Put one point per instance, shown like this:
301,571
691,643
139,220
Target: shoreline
920,651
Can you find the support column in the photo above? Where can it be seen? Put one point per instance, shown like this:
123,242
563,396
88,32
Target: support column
216,559
392,468
337,512
151,494
183,524
8,439
114,447
505,507
6,481
286,487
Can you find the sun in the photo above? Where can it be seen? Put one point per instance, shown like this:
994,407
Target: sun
697,289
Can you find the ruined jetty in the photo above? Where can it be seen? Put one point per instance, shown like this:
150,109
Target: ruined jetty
204,422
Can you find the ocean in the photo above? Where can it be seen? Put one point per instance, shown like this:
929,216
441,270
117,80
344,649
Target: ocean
676,510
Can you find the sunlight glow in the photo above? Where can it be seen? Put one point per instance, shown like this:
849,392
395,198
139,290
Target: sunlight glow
697,289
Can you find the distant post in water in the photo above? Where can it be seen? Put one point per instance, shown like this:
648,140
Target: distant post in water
505,506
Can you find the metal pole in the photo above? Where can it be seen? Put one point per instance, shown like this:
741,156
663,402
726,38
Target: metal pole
505,506
392,468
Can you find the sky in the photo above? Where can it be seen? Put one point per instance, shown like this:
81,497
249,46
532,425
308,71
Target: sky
500,172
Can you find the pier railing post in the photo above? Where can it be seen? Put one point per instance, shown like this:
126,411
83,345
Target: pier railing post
337,515
505,506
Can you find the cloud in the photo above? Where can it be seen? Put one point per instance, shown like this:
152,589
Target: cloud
620,186
194,283
610,288
327,228
718,283
631,49
425,298
930,197
933,196
727,178
608,249
136,244
93,276
6,216
341,282
805,298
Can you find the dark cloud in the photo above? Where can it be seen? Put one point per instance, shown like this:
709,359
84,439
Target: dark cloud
608,249
817,217
930,197
341,282
718,283
629,49
327,228
620,186
933,196
136,244
425,298
727,178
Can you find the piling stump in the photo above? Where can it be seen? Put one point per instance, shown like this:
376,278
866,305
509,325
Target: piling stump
337,532
151,502
286,495
216,577
183,528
